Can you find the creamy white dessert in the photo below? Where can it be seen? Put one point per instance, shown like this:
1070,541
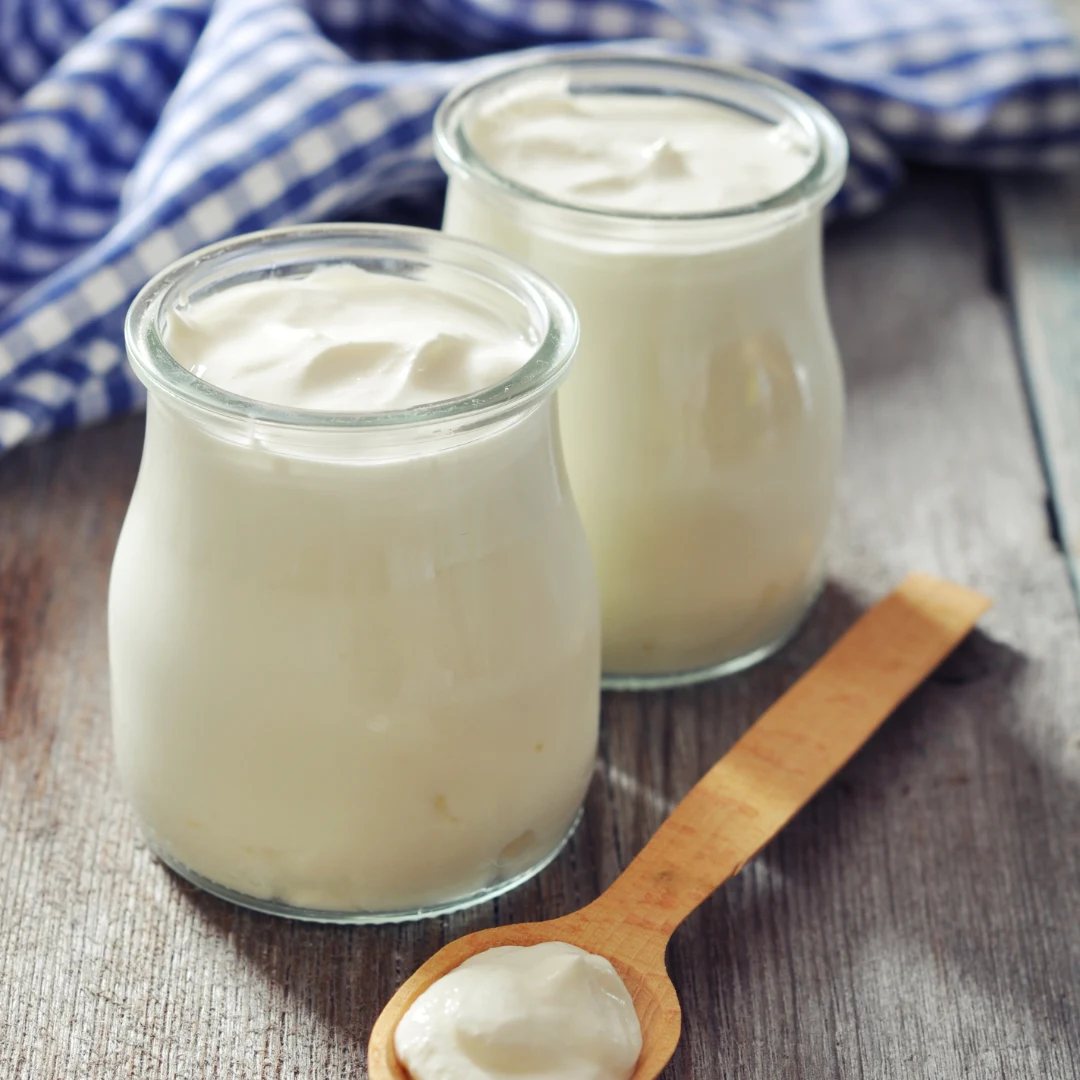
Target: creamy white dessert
547,1012
617,152
344,339
353,670
702,424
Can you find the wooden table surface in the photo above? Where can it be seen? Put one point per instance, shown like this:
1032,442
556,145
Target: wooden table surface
920,919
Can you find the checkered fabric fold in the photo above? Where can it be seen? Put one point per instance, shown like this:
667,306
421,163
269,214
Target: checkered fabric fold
132,133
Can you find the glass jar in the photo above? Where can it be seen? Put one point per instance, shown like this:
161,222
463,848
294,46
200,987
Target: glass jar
354,657
702,424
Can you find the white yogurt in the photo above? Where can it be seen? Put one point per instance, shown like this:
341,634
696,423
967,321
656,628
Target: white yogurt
344,339
354,670
546,1012
702,424
642,154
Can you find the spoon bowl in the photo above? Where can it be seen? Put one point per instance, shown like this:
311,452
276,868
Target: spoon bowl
740,804
595,929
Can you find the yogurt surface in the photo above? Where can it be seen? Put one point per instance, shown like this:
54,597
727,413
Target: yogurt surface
343,339
546,1012
636,153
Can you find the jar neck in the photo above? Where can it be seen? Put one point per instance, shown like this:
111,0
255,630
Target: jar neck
342,445
523,299
491,210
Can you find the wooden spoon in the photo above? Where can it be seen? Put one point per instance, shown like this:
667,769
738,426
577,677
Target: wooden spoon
740,804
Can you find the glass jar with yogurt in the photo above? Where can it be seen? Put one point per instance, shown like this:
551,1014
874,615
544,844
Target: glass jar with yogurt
353,621
679,204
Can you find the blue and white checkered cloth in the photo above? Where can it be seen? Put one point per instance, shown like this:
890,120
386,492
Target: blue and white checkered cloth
132,133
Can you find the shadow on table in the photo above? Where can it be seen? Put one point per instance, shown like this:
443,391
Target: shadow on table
781,964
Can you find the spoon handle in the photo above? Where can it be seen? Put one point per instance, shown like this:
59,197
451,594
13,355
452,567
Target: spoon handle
748,796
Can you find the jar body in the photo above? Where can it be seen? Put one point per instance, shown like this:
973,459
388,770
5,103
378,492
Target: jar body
702,427
354,687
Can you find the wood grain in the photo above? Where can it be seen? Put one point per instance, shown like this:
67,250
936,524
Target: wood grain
917,920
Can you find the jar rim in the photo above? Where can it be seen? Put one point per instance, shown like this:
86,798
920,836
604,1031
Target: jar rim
814,187
551,313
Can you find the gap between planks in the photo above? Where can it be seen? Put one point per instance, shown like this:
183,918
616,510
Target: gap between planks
1038,222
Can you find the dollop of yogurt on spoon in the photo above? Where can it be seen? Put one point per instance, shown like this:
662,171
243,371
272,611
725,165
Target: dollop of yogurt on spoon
540,1012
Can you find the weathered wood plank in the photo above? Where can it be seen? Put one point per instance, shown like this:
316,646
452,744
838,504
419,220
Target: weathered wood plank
918,920
1039,221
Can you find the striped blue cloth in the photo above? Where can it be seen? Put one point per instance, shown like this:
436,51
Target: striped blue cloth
132,133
